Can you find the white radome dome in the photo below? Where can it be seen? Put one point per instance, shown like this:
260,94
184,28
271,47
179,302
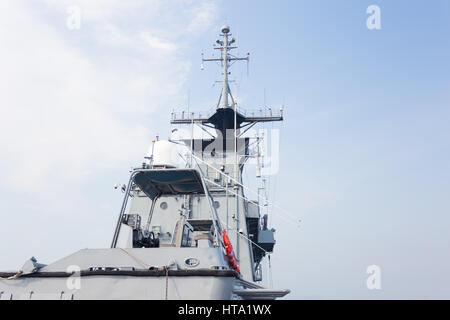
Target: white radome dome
167,154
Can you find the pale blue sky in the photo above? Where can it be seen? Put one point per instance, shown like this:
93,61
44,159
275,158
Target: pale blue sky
364,146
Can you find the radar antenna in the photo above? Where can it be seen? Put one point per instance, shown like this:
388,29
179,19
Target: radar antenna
226,59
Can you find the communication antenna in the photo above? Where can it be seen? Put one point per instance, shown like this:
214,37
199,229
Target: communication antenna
248,64
258,156
227,59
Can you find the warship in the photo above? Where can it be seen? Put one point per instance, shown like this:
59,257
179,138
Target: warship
187,228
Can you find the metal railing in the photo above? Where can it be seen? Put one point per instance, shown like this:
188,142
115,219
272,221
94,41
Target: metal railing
264,112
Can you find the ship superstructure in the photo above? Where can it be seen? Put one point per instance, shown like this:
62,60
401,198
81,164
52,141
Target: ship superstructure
186,229
222,157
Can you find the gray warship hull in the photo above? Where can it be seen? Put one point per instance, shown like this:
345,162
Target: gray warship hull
123,286
125,274
138,274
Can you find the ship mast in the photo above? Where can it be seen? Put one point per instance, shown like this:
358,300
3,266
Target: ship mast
226,59
227,119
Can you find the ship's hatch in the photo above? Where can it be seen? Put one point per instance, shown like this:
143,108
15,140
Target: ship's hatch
156,183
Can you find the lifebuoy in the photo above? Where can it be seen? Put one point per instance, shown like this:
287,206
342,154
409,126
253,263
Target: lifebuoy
226,240
229,253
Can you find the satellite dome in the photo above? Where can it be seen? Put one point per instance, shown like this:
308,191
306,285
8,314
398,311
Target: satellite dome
167,154
225,29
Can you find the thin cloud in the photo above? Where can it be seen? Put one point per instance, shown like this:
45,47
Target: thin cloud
66,96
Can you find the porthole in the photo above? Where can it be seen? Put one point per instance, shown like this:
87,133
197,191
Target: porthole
191,262
216,204
163,205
